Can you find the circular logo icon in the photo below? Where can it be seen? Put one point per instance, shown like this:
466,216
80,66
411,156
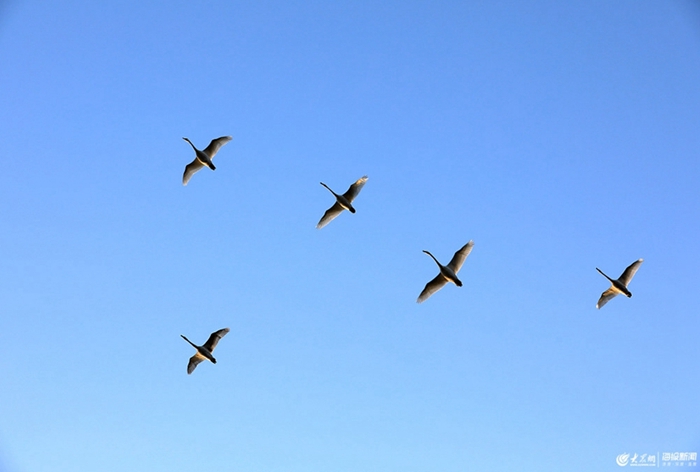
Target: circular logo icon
622,459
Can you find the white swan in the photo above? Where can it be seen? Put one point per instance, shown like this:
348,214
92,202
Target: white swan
447,273
205,351
620,285
203,158
343,202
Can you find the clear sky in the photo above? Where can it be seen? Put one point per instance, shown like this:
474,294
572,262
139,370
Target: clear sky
559,136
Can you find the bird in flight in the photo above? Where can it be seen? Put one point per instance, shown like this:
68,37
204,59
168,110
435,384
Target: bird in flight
447,273
343,202
203,158
205,351
620,285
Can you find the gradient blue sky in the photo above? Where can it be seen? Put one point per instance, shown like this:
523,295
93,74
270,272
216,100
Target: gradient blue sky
559,136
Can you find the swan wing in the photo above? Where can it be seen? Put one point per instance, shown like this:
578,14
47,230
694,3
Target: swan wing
190,170
606,296
215,145
355,188
460,256
214,339
629,272
194,362
330,215
431,287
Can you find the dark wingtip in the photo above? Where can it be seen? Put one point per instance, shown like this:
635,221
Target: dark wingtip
458,283
352,210
213,360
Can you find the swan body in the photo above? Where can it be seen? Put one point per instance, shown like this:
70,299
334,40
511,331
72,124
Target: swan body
618,285
204,157
205,351
343,202
447,273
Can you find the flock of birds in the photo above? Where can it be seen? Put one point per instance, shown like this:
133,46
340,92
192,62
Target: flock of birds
448,273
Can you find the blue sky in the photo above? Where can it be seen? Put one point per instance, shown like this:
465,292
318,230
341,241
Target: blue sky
559,136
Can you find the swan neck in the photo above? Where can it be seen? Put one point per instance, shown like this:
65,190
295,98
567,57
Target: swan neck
603,274
190,143
193,344
329,189
436,261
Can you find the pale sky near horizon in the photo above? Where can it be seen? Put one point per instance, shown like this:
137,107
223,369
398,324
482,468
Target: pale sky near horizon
559,136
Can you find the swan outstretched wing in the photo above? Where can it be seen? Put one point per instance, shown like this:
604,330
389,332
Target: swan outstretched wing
329,215
215,145
460,256
190,170
431,287
629,272
214,339
608,295
355,188
194,362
